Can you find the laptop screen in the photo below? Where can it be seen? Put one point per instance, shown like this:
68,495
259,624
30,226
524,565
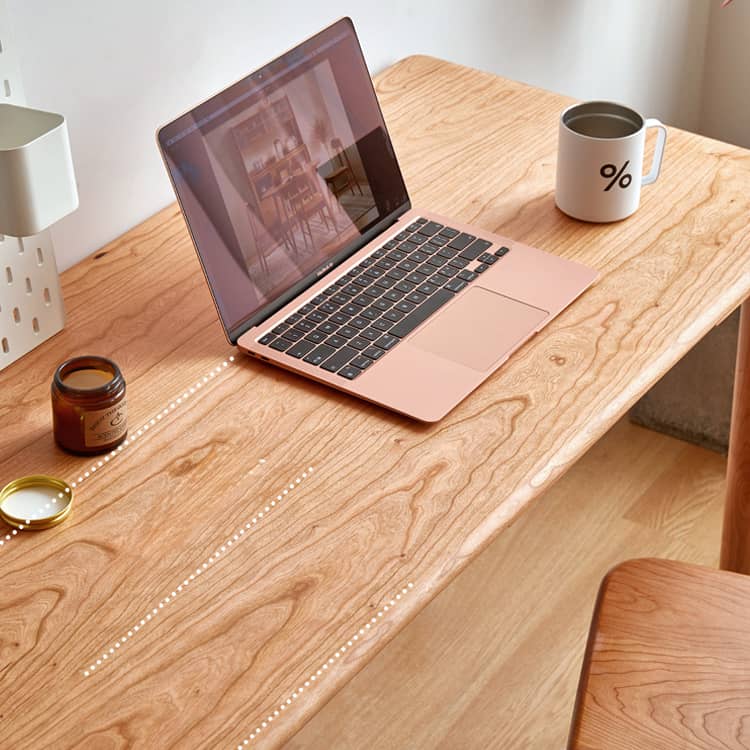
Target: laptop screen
284,174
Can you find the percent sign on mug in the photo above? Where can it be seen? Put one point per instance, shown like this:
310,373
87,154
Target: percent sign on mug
600,160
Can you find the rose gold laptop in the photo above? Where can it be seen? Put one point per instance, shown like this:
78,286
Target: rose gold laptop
317,261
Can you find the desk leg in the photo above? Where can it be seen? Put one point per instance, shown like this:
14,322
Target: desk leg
735,541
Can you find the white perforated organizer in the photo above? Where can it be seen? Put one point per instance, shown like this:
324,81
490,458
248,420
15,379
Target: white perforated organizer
31,305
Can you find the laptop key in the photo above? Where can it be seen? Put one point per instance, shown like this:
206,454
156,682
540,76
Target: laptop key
335,341
292,335
462,241
449,232
459,262
304,326
299,349
379,253
396,255
393,296
370,313
487,258
349,372
381,304
367,262
426,288
306,309
280,345
387,342
417,239
361,281
339,359
349,309
436,280
407,265
438,241
475,249
373,352
316,316
466,275
319,354
362,301
339,319
359,342
404,287
371,334
385,283
327,327
339,299
347,331
292,319
448,272
455,285
280,328
413,227
267,339
317,300
359,322
481,268
421,313
351,290
393,315
384,264
329,290
315,336
430,228
420,220
362,362
373,291
374,273
437,261
389,245
381,325
447,252
396,274
328,308
415,277
402,235
502,251
408,246
404,306
415,297
418,257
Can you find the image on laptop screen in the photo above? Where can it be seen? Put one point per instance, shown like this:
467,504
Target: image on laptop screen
281,174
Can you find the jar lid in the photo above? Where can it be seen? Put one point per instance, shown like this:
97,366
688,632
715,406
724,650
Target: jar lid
35,502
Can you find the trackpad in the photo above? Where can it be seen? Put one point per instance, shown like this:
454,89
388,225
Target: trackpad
478,328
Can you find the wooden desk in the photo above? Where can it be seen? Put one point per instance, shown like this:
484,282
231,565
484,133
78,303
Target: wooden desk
388,502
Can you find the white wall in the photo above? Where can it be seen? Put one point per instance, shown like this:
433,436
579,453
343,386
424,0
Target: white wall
726,93
118,70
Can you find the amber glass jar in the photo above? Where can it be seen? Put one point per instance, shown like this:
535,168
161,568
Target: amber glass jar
89,410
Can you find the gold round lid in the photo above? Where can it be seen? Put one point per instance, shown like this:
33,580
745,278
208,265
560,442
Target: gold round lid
35,502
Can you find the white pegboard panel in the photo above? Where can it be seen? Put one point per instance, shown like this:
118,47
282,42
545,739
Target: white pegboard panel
31,305
31,308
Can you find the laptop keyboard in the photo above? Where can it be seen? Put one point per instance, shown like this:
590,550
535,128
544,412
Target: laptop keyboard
360,317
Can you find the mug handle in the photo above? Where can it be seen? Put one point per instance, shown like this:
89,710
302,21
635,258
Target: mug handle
661,139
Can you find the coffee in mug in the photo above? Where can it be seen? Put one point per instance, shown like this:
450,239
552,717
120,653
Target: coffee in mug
600,160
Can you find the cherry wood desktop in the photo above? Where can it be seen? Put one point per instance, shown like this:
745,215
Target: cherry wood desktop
183,604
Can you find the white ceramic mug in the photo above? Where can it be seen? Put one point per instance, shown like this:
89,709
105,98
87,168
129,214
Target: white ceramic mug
600,160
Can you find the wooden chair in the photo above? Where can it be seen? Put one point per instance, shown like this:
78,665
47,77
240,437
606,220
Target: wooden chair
342,177
667,664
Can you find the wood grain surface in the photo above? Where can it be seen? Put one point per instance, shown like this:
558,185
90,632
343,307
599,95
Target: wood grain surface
389,502
493,661
667,665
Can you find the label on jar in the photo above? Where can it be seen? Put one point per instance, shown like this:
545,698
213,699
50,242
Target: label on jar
105,426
